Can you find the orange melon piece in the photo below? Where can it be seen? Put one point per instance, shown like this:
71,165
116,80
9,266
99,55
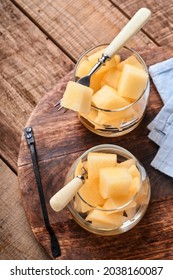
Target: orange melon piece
134,187
80,167
77,97
119,202
131,212
96,161
132,82
91,116
108,98
114,181
102,220
83,68
91,194
116,118
95,82
112,119
111,78
132,60
127,163
134,171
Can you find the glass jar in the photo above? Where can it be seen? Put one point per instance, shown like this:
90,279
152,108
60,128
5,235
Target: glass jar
131,212
115,122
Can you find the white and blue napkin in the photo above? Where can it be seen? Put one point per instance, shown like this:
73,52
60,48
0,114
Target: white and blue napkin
161,128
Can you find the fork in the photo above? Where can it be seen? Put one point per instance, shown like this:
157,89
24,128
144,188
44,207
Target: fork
130,29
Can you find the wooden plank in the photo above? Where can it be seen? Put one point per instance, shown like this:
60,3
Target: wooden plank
79,25
59,139
16,239
30,66
160,28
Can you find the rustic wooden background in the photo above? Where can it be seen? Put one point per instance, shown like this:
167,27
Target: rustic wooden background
40,42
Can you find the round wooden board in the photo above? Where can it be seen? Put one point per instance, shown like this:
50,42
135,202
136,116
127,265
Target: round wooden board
60,139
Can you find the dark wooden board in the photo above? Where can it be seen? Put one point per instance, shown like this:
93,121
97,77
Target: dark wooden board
61,138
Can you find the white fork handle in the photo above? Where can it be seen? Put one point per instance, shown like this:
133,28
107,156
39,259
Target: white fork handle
66,194
130,29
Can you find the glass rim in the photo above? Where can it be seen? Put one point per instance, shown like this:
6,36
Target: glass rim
115,148
138,57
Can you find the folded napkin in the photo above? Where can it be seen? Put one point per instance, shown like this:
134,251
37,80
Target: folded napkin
161,128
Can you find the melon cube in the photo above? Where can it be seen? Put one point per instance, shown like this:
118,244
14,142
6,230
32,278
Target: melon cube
108,98
132,60
101,219
79,167
134,171
99,160
95,82
116,119
131,212
111,119
114,181
83,68
77,97
111,78
127,163
91,194
120,201
111,204
134,187
91,116
132,82
142,196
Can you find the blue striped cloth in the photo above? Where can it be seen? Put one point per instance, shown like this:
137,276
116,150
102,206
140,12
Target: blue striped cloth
161,128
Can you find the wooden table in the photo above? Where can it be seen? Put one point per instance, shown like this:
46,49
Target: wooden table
41,41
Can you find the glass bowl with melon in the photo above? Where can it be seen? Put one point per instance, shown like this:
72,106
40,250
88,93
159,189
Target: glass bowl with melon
120,91
116,191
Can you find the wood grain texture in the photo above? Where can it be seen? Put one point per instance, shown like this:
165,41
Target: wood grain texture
30,66
60,139
79,25
16,239
161,24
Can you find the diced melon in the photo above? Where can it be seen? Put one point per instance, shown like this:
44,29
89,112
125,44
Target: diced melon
116,119
111,78
91,116
134,171
78,203
134,187
95,82
132,60
112,119
78,170
142,196
91,194
99,160
127,163
111,204
114,181
108,98
117,59
132,82
83,68
100,219
131,212
81,167
77,97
